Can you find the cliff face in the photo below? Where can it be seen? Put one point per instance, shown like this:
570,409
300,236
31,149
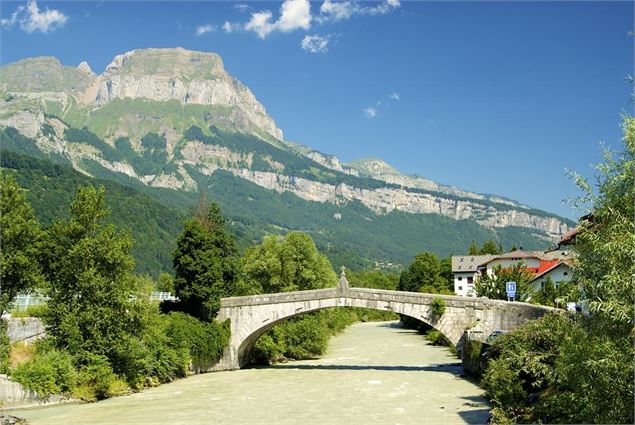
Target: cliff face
137,115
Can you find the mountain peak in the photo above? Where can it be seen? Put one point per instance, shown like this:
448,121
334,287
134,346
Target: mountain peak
168,63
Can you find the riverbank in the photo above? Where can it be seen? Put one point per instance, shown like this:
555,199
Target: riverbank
373,373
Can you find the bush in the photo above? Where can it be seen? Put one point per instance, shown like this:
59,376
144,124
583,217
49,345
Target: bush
5,347
96,379
437,338
205,342
541,373
438,307
47,373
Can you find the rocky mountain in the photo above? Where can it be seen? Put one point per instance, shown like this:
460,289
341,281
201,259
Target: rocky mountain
173,118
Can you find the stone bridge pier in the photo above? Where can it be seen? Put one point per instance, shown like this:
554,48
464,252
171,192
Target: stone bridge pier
251,316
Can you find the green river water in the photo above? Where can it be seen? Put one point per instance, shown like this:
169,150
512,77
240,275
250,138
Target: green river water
373,373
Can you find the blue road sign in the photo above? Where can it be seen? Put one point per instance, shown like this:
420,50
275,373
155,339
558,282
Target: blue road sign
511,289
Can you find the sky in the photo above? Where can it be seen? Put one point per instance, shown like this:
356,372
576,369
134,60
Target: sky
494,97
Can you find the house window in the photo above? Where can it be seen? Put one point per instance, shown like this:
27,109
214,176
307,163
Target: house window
566,273
460,278
542,285
470,280
460,288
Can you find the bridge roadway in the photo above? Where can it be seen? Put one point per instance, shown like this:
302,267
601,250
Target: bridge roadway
251,316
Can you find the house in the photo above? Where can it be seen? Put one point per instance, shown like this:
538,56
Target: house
465,269
559,271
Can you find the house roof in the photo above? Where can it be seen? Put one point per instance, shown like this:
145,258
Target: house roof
518,254
468,263
568,237
543,271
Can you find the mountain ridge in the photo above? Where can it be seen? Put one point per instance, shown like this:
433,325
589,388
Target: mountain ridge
166,117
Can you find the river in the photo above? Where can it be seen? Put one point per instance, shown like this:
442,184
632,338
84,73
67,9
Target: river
373,373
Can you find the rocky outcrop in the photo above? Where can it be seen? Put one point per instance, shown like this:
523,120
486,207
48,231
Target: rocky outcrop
385,200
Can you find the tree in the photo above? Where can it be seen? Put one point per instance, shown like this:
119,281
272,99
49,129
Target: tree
292,263
165,283
605,243
490,247
424,275
88,267
21,235
205,264
493,285
579,369
473,249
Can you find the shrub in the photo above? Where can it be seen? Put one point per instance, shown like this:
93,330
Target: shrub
438,307
5,347
47,373
437,338
205,342
96,379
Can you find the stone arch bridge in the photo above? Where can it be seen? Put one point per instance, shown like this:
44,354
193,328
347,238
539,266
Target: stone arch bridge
251,316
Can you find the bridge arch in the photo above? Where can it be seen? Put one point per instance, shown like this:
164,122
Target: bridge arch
251,316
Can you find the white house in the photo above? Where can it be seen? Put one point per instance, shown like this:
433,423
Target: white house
559,272
468,268
465,268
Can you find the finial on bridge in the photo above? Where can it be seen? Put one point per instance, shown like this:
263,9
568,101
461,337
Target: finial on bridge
342,286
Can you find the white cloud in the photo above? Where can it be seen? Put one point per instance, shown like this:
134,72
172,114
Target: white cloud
336,11
241,7
230,27
370,112
373,111
204,29
294,15
315,43
31,18
339,10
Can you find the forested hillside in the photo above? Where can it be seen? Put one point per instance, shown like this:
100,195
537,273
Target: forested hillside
350,234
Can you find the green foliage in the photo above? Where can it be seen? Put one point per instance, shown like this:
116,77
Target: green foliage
556,294
165,283
375,279
205,342
493,285
561,370
39,310
48,372
438,307
605,243
473,249
96,379
425,275
5,347
206,263
437,338
20,235
490,247
292,263
580,369
51,189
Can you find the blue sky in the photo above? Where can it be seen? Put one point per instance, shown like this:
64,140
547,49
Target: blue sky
496,97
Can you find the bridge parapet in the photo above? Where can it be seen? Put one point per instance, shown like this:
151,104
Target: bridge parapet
251,316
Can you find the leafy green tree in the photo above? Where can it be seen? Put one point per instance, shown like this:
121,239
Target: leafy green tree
490,247
605,243
292,263
473,249
556,294
87,267
206,263
165,283
493,285
20,236
372,279
424,275
580,369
